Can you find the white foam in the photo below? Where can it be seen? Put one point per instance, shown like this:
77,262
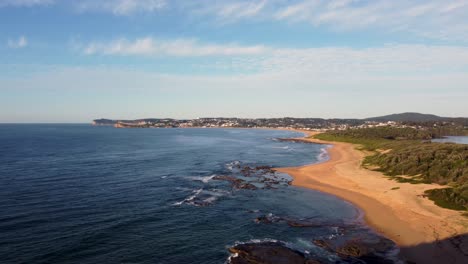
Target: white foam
256,241
205,179
284,147
231,165
323,155
211,199
189,198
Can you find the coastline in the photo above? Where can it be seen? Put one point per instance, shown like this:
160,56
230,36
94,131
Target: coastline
423,231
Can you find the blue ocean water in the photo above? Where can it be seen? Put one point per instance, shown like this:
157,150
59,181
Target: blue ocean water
90,194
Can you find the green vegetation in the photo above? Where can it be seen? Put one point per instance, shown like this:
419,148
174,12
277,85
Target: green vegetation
405,154
377,138
395,188
447,198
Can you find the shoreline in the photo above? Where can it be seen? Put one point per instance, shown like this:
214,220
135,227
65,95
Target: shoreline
423,231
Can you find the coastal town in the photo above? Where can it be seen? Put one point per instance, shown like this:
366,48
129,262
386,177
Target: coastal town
405,120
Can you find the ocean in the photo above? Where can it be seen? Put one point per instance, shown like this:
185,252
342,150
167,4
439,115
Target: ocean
95,194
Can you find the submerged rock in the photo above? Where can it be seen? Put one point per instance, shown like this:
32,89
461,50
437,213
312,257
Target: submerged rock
355,250
298,223
267,219
266,253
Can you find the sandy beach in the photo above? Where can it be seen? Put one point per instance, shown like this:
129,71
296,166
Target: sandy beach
425,232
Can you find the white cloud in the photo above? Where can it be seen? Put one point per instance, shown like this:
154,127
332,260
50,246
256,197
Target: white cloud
120,7
21,42
178,47
25,3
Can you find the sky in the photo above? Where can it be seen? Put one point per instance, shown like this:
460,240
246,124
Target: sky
75,61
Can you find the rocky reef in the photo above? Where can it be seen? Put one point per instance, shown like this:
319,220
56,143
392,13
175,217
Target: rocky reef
269,252
253,178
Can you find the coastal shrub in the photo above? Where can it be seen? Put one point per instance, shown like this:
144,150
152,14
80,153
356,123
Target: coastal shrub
448,198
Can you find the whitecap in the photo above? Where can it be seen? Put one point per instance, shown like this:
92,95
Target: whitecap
204,179
284,147
230,166
323,155
189,198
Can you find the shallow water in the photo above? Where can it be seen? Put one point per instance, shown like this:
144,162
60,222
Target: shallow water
453,139
84,194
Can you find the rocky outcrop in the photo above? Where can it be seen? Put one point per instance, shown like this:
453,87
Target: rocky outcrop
267,252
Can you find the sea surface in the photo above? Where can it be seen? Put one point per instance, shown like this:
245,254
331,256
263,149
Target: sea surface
453,139
96,194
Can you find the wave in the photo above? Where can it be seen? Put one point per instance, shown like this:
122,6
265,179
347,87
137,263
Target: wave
204,179
230,166
323,155
257,241
189,198
201,197
251,241
284,147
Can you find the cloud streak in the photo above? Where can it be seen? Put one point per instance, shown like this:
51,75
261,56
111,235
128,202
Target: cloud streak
443,20
21,42
387,59
120,7
435,19
25,3
179,47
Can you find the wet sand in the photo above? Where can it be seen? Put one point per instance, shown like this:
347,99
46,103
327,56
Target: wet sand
423,230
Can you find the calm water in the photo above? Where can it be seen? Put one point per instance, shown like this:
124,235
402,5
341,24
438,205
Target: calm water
453,139
84,194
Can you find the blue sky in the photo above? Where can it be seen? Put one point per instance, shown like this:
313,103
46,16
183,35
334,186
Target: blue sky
74,61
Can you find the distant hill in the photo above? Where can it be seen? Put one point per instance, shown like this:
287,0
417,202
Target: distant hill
104,122
408,117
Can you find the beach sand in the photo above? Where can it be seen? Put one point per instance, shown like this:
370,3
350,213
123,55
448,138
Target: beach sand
425,233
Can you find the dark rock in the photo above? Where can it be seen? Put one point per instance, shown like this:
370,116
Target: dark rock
353,249
266,253
268,219
322,244
247,186
298,223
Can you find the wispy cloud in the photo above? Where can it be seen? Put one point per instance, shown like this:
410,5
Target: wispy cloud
444,20
240,9
21,42
447,20
431,18
387,59
25,3
178,47
120,7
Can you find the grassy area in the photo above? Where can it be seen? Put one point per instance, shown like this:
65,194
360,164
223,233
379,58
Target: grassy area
406,155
